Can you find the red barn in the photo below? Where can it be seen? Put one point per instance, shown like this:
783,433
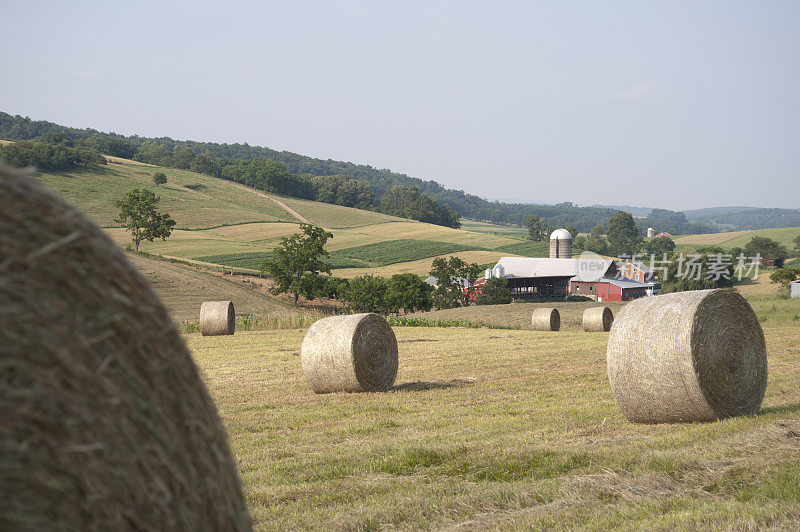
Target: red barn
609,289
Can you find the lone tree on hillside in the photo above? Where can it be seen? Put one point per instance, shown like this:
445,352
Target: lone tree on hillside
138,209
623,236
159,178
297,262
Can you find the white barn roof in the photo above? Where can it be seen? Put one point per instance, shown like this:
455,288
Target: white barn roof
539,267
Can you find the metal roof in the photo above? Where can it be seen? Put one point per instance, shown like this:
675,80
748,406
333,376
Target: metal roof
561,234
539,267
623,282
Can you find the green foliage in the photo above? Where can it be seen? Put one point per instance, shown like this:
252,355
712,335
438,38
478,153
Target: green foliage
366,294
659,246
394,251
675,223
494,292
623,236
409,202
334,287
138,210
48,156
784,276
796,242
342,190
408,292
596,242
538,228
455,279
297,262
572,230
110,145
695,271
159,178
767,248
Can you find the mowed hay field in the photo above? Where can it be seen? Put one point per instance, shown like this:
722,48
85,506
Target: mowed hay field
497,429
518,314
182,289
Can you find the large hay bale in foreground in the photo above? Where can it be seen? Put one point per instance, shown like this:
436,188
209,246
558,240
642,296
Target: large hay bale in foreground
597,319
217,318
104,421
687,356
353,353
546,319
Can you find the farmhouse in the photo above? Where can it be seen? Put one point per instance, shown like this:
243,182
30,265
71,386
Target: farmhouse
637,271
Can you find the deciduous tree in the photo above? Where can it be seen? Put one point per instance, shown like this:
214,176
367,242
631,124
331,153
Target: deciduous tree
138,210
297,262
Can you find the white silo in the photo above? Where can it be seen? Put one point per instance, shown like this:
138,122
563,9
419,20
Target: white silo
561,244
650,232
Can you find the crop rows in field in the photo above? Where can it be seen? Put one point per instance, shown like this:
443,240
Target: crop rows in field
527,248
395,251
252,261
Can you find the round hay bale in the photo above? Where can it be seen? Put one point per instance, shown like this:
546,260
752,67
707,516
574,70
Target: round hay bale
217,318
546,319
687,356
353,353
597,319
106,424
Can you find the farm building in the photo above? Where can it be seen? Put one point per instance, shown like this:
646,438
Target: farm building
561,244
537,277
794,289
612,289
637,271
650,232
663,234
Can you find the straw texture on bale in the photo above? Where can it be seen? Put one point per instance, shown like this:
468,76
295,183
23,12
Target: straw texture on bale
106,424
546,319
217,318
687,356
353,353
597,319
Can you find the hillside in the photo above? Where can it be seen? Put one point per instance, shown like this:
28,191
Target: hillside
785,236
182,289
226,224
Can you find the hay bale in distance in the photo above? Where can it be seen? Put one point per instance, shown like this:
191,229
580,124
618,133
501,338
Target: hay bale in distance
353,353
217,318
687,356
106,424
597,319
546,319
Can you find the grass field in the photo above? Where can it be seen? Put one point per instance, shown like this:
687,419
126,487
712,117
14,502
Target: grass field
740,239
498,429
423,266
485,227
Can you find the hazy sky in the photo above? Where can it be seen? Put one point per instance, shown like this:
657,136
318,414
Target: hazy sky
668,104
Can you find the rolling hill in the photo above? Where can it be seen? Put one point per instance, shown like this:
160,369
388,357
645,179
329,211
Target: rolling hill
227,224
